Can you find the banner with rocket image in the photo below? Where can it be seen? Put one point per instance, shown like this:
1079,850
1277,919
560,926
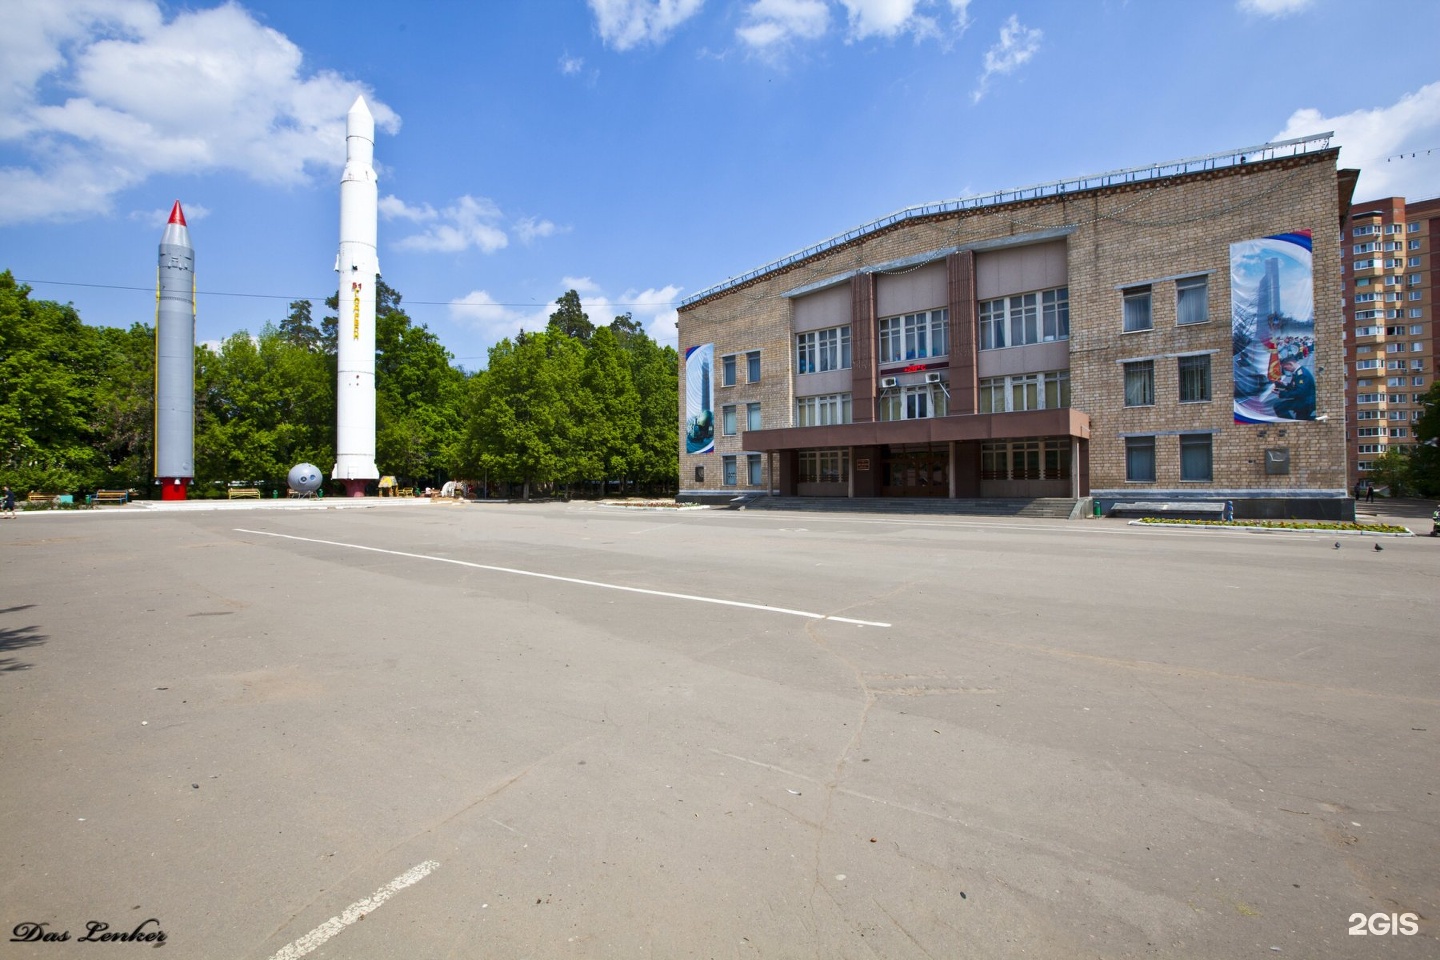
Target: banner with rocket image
699,410
1272,327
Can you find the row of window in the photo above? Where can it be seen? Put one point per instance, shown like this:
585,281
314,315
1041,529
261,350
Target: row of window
1192,304
1394,281
728,418
754,471
1389,364
1387,263
1373,229
918,402
1025,459
1395,382
1196,458
1039,317
1390,397
1028,391
1387,246
728,367
1194,379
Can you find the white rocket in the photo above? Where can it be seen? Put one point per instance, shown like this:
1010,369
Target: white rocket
358,265
175,359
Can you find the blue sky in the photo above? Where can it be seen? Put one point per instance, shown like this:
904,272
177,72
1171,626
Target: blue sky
635,150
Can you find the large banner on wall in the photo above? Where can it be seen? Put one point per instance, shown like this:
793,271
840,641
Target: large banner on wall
1272,322
699,411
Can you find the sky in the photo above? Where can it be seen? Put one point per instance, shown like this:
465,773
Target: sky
636,151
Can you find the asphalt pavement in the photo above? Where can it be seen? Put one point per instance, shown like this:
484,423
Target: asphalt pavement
415,729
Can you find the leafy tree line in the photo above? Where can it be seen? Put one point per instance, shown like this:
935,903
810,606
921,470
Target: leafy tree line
77,402
1414,470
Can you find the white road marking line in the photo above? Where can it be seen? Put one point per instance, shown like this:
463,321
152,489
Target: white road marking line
315,938
584,583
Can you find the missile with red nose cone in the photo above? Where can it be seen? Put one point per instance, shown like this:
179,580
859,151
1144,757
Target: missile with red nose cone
358,265
175,360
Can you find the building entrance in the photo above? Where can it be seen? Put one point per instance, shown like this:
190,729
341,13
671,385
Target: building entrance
915,471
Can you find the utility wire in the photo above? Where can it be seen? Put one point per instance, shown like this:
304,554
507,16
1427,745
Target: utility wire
276,296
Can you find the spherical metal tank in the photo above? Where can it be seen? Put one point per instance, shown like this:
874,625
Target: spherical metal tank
305,478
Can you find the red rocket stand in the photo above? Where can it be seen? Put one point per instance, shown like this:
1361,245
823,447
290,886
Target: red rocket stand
354,488
174,488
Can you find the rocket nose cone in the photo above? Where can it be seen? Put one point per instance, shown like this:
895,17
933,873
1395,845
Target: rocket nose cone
177,215
359,122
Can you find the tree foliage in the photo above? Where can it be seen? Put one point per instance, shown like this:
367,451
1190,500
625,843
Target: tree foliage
575,405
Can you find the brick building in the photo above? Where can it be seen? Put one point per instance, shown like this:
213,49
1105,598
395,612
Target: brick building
1389,319
1074,339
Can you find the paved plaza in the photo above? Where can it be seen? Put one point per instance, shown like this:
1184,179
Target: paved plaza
445,730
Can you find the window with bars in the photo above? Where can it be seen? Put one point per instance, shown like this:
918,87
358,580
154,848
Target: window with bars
1192,300
1194,379
824,466
1047,459
1140,383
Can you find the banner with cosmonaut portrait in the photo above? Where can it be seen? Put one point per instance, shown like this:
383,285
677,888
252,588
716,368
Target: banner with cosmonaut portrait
1272,317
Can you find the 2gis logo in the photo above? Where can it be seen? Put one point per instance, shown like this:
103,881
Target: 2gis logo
1383,924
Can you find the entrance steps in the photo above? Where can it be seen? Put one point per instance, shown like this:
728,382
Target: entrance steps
1054,508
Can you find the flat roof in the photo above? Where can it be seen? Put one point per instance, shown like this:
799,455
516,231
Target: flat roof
1155,171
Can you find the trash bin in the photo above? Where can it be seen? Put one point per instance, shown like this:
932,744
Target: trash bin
1097,507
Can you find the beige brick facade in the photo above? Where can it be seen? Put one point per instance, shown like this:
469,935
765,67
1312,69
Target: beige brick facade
1151,231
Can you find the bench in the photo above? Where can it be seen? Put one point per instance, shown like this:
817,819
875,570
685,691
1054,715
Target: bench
110,496
243,493
1188,509
43,499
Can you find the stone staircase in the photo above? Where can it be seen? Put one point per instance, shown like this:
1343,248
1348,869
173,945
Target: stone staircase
1053,508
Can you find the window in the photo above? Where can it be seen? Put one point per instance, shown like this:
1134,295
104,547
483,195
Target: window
753,469
822,411
1414,244
824,466
1416,313
727,465
1397,431
1039,317
1416,329
752,416
1413,281
1140,459
1367,230
727,420
1140,383
727,371
1367,364
1412,227
1417,381
823,350
1025,459
914,336
1366,297
1195,379
1029,391
1413,262
752,366
1417,347
1417,295
1137,309
920,401
1195,457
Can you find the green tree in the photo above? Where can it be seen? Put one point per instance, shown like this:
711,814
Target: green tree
610,420
124,405
571,319
49,369
1425,462
419,399
297,328
1392,469
520,413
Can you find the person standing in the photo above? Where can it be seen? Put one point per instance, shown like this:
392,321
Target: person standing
1370,492
9,495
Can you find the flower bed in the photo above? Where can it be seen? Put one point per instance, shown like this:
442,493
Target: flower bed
1349,526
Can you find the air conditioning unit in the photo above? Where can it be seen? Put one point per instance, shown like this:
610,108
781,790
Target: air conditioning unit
887,382
932,378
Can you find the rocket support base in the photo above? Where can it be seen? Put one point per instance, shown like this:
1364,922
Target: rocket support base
355,488
174,488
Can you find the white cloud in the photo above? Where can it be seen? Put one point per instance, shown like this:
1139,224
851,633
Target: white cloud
770,24
90,88
393,208
1393,146
1017,44
1273,8
494,321
625,24
581,285
468,222
570,66
530,228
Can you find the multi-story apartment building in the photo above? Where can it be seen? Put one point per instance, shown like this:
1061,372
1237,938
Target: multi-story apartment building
1172,332
1389,324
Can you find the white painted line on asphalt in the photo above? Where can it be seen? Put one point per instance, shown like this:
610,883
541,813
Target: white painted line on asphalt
315,938
584,583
